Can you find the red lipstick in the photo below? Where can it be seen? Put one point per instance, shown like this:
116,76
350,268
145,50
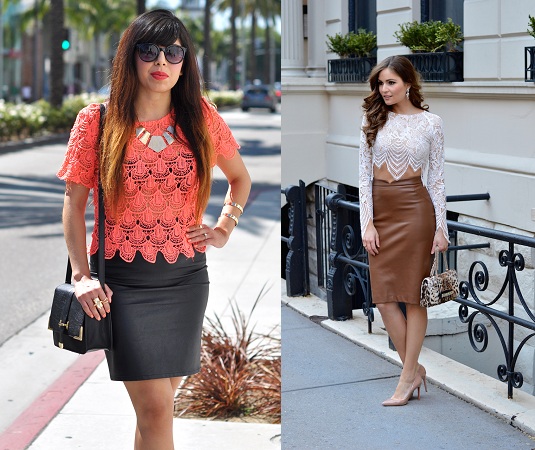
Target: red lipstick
159,75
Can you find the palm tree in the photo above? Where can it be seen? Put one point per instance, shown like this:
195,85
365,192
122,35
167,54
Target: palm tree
223,5
57,68
270,9
140,7
93,19
207,43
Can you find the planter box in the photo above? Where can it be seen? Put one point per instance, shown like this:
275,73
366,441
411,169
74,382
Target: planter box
529,58
350,70
444,67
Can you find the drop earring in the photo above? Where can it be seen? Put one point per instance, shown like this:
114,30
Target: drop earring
407,93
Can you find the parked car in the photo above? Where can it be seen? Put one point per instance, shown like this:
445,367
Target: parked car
278,90
259,96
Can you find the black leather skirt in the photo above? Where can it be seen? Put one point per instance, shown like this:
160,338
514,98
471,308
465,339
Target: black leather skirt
157,316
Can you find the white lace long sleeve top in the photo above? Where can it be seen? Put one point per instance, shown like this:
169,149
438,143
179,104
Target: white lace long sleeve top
405,140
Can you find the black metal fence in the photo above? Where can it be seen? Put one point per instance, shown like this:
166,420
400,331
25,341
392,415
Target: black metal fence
297,273
348,287
350,70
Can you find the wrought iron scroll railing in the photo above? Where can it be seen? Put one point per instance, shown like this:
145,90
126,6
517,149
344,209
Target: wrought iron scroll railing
348,278
297,273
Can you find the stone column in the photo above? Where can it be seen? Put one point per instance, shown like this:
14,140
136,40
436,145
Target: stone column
293,45
316,39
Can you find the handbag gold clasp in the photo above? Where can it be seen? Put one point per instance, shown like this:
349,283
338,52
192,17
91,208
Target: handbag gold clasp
66,325
80,336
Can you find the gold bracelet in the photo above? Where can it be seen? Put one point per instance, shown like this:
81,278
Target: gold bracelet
230,216
236,205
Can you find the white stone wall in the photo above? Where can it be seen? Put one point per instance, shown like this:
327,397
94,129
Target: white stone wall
495,37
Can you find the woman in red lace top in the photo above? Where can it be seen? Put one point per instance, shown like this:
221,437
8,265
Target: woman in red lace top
160,140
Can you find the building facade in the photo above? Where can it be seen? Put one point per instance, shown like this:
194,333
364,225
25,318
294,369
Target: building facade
488,117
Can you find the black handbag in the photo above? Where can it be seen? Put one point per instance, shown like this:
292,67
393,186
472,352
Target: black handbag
71,327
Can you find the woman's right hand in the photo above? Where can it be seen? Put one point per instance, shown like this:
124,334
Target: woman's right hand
370,240
87,291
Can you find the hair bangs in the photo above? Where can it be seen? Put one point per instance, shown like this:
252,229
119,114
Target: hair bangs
164,31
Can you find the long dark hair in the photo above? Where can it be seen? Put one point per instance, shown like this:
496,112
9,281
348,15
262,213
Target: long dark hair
374,105
161,27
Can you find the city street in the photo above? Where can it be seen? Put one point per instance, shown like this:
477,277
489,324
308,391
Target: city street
34,253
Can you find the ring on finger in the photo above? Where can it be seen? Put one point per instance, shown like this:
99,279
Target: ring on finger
205,236
105,300
97,302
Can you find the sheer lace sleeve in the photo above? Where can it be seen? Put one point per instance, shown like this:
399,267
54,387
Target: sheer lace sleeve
222,138
81,159
365,181
435,176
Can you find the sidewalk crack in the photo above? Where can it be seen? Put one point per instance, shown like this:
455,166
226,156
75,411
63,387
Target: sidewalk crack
388,377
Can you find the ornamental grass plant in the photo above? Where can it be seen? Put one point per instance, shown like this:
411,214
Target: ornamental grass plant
240,376
531,26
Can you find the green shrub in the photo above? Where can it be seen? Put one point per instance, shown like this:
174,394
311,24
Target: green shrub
19,121
357,44
531,25
431,36
225,98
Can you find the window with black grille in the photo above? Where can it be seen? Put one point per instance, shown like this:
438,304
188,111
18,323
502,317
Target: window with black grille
442,10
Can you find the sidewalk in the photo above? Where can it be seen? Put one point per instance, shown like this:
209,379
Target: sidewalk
99,415
333,389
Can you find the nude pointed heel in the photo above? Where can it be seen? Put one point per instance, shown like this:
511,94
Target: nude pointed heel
416,384
423,374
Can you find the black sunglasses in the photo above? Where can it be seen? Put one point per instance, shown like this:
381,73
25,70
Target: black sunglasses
150,52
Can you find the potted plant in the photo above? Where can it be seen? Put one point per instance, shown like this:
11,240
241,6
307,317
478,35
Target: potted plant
355,51
529,56
435,47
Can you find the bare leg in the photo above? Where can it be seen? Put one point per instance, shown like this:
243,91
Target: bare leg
407,336
396,326
153,402
416,328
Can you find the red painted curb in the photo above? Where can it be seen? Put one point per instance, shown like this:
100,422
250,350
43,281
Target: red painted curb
26,427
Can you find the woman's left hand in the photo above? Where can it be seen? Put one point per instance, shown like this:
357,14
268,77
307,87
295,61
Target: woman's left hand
204,235
440,243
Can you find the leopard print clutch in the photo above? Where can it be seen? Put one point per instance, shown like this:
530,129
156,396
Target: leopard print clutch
439,288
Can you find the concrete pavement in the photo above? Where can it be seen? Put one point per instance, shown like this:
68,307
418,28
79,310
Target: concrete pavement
335,376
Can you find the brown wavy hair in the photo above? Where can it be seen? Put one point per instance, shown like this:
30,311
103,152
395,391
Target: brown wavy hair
374,106
160,27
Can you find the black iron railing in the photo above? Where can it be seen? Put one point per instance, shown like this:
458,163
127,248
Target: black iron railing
297,273
440,66
350,70
349,278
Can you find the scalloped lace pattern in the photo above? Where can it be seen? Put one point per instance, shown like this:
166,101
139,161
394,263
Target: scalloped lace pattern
160,187
405,140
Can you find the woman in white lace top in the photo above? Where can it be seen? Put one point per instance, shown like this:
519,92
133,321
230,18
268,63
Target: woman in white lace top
402,207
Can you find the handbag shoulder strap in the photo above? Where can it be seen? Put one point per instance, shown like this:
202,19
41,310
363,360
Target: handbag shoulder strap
101,213
102,220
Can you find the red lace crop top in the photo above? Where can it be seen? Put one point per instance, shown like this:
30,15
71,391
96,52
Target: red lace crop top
160,185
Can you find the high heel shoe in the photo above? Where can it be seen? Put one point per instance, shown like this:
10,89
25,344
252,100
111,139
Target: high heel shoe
405,399
423,374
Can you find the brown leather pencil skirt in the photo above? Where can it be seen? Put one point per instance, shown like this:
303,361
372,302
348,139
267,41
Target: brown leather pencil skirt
404,217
